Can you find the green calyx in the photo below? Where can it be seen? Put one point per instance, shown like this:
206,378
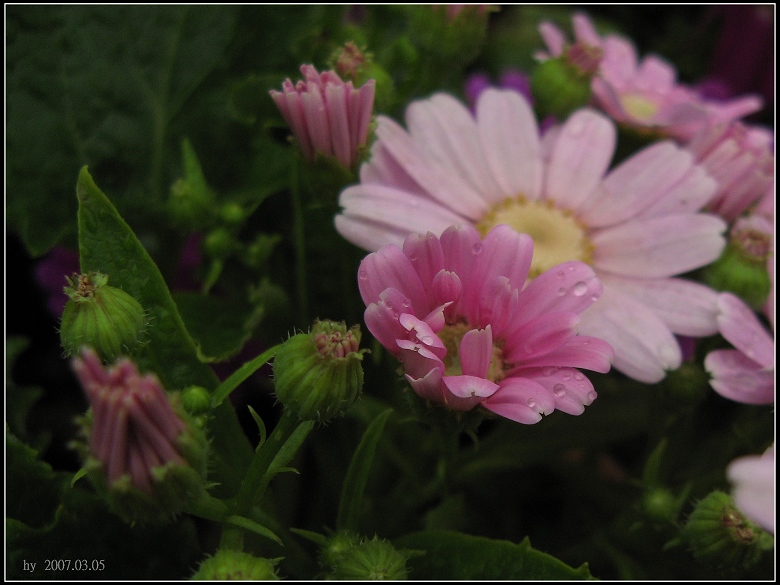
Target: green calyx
318,375
349,558
234,565
101,316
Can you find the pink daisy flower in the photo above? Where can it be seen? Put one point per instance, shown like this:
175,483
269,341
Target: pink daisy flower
454,311
741,159
644,94
327,116
637,226
134,428
745,374
753,481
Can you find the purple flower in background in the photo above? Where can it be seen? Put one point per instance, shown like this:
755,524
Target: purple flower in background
51,272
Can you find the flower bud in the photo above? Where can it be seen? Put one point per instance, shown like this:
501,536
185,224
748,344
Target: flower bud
101,316
719,535
234,565
319,374
196,400
742,268
142,451
562,84
660,504
370,560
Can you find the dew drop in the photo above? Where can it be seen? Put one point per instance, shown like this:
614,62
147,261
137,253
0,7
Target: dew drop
594,298
579,289
592,396
363,275
566,377
578,376
413,258
531,404
477,248
549,370
559,390
561,292
407,303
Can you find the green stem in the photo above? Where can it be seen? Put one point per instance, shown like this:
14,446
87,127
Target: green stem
241,374
300,243
254,484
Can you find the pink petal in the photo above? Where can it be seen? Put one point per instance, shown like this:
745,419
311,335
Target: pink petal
461,245
447,132
476,353
579,159
418,361
470,387
369,234
636,183
437,180
692,193
660,246
753,478
510,140
686,307
382,319
587,353
336,99
738,378
570,287
390,268
428,387
644,347
383,169
426,255
740,326
420,332
504,253
584,30
539,336
521,400
571,390
553,37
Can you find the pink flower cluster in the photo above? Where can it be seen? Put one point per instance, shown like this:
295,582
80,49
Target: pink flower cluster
457,314
134,428
644,94
327,116
753,481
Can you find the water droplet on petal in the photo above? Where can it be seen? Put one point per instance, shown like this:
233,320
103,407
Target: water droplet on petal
477,248
559,390
549,370
591,397
413,258
594,298
578,376
579,289
407,303
561,292
363,275
531,404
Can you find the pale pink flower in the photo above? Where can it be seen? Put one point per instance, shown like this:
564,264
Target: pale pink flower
741,159
638,225
326,115
134,428
644,94
753,487
745,374
454,311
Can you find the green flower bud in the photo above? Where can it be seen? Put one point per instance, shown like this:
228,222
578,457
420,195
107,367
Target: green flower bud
100,316
319,374
370,560
336,546
741,269
722,537
232,213
234,565
660,504
219,243
142,452
562,84
196,400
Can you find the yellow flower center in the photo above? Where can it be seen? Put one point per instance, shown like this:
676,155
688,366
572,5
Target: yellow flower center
451,336
638,107
557,235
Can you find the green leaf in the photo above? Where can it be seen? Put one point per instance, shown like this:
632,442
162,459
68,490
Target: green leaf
100,85
219,327
260,427
108,245
19,400
253,526
241,374
33,489
456,556
357,474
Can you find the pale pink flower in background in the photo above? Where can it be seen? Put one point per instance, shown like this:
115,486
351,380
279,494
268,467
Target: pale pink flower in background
454,311
134,427
745,374
741,159
753,487
644,94
326,115
637,225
